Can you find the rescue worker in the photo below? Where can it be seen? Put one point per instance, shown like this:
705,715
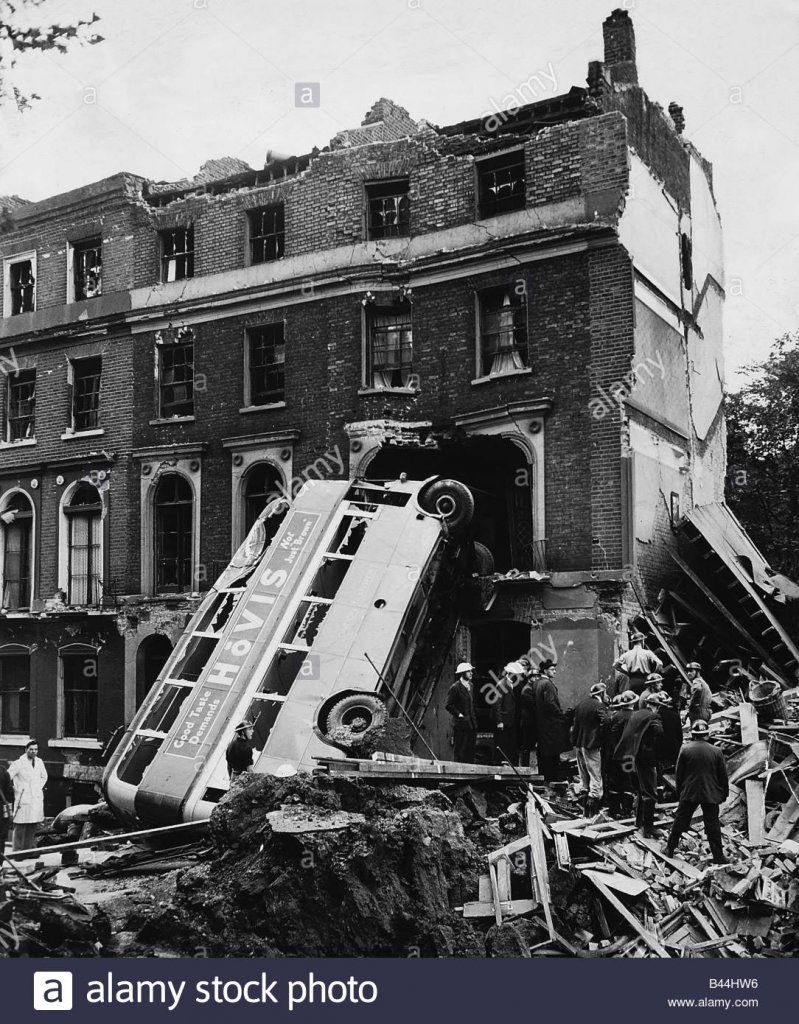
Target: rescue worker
528,734
460,704
637,752
506,734
29,777
654,684
699,696
587,736
637,663
668,746
701,781
550,724
239,754
618,779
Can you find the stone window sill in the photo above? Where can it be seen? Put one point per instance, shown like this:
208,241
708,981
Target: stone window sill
262,408
77,743
501,376
25,443
388,391
13,740
76,435
164,421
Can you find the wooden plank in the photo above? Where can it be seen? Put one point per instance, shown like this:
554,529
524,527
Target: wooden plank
750,761
616,880
508,908
503,879
631,919
509,850
755,809
678,865
120,837
492,871
786,822
484,889
562,851
748,717
538,862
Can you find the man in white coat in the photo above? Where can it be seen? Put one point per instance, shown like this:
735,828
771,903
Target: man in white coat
29,777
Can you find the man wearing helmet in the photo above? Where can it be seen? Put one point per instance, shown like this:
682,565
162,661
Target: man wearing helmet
460,704
701,779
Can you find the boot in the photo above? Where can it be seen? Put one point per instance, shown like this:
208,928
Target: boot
592,807
716,849
648,820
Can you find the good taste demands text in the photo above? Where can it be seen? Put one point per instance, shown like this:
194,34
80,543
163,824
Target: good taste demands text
194,730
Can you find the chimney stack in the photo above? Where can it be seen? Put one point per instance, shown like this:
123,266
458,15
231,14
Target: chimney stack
677,116
619,36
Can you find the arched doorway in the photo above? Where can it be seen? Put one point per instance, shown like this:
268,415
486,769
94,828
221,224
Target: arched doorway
151,657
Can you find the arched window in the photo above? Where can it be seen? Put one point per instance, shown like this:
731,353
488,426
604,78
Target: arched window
16,518
261,485
174,524
84,522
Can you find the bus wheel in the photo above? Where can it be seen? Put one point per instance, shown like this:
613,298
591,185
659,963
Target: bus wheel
451,500
355,718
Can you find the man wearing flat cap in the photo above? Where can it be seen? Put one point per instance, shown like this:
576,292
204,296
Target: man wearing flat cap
699,696
460,704
587,735
701,779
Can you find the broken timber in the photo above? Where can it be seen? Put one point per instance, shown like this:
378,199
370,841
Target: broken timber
427,771
631,919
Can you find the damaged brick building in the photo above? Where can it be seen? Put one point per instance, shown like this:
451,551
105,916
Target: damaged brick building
531,305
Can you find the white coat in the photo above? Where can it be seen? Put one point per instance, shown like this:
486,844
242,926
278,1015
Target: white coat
29,778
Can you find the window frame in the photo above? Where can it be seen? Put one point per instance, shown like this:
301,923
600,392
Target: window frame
187,253
13,381
371,312
73,392
8,263
279,234
9,651
5,501
179,587
95,572
72,652
161,349
483,371
484,166
403,223
249,369
76,248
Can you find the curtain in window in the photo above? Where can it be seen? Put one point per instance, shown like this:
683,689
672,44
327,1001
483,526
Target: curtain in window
16,565
392,351
84,559
506,356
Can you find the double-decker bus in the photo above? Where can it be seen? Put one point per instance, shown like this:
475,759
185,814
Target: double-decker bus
316,614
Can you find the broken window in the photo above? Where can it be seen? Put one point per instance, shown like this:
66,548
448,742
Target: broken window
176,379
79,675
86,374
87,268
21,286
388,209
503,331
16,521
22,405
686,252
15,693
84,516
267,234
266,355
174,524
389,347
177,254
500,183
261,485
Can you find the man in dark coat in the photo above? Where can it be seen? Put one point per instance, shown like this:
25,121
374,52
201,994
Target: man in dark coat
528,734
618,779
239,754
6,805
668,746
587,735
460,704
700,694
637,752
506,713
550,724
701,780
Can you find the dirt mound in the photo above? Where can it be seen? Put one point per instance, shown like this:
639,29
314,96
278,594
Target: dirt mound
339,868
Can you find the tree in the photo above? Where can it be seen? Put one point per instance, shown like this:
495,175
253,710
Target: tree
763,454
18,37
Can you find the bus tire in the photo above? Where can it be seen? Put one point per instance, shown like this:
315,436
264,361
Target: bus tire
451,500
354,718
483,559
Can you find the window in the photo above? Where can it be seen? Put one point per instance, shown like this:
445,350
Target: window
15,693
174,523
686,254
20,284
84,521
86,374
503,331
388,209
22,405
267,234
87,269
261,485
501,184
79,681
389,347
176,379
177,254
266,355
16,520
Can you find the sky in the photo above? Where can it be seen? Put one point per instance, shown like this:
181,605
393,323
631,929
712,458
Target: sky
176,82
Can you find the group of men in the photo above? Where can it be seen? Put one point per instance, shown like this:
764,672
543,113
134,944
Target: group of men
625,737
22,798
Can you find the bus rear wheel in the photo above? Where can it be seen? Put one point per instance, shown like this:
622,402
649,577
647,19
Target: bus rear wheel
355,719
451,500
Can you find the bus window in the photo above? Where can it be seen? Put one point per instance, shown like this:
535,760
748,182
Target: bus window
137,758
217,612
305,623
286,666
349,535
193,658
263,714
329,577
165,708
